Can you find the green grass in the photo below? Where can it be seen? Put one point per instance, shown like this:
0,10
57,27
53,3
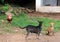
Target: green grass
46,23
23,20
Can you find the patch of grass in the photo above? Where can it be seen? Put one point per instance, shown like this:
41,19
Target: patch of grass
46,23
3,16
23,20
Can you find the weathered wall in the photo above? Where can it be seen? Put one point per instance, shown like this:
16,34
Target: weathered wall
50,9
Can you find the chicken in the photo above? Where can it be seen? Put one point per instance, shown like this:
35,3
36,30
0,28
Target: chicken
9,18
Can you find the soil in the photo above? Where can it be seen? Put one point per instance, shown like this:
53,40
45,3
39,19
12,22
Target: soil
32,38
43,15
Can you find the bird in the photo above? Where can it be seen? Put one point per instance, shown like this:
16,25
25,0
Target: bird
9,18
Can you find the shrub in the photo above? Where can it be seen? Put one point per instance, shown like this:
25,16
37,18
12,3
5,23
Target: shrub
2,1
6,7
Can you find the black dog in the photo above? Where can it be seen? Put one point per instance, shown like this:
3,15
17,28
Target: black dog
34,29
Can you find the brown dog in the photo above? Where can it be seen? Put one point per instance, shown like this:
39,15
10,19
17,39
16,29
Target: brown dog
50,30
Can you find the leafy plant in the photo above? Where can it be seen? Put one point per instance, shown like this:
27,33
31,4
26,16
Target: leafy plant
6,7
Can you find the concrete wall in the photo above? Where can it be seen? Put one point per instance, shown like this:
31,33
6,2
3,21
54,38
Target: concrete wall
49,9
38,4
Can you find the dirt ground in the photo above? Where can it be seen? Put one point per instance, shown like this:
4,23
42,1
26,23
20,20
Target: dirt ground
49,15
31,38
20,35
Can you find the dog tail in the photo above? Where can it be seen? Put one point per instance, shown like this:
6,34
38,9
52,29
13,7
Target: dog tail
22,27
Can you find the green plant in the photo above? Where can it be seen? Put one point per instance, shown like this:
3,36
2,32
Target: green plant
2,1
5,7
